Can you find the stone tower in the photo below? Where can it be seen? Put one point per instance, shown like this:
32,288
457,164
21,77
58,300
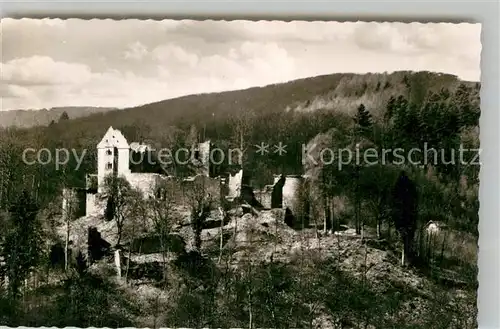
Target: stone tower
113,155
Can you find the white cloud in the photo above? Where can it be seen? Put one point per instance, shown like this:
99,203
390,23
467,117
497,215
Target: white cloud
132,62
317,31
173,54
136,51
16,91
42,70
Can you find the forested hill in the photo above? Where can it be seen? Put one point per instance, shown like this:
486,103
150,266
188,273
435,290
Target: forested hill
354,280
413,104
342,92
43,117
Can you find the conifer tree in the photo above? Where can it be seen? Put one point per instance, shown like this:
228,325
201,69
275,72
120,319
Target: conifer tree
390,109
363,118
404,212
64,117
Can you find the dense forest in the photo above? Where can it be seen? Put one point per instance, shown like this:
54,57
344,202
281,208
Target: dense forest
404,110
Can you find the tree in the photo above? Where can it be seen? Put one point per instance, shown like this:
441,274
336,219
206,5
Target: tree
200,202
68,214
331,187
64,117
363,118
375,184
390,109
405,212
363,123
12,176
193,137
21,248
469,113
161,216
137,213
119,194
242,129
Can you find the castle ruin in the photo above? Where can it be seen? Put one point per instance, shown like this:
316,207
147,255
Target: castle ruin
115,157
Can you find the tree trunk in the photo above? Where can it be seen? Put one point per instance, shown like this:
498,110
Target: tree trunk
316,231
356,214
221,242
389,230
357,203
406,250
332,217
118,262
338,245
379,233
235,228
163,254
365,265
1,191
325,219
66,246
128,263
403,255
250,313
441,257
119,225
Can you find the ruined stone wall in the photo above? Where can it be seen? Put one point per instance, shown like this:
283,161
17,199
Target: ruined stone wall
264,196
291,193
94,205
144,182
103,159
123,161
73,203
197,184
234,185
181,192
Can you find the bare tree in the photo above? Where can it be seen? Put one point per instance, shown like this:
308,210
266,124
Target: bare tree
375,184
223,216
137,215
161,208
119,195
242,129
200,203
68,214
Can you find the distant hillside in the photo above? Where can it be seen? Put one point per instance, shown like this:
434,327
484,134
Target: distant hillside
30,118
341,92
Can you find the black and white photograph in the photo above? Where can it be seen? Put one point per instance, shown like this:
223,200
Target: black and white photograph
239,174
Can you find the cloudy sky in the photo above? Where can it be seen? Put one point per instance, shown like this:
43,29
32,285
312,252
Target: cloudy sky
47,63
